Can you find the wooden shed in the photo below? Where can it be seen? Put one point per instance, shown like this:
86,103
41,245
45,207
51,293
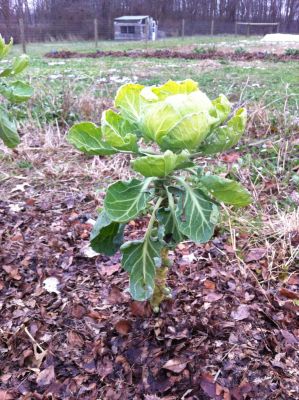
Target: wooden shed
135,27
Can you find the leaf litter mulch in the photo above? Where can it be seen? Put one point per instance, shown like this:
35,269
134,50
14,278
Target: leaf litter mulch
69,329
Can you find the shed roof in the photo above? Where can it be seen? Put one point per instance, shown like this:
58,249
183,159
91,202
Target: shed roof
131,18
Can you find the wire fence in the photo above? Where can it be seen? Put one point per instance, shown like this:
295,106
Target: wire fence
26,31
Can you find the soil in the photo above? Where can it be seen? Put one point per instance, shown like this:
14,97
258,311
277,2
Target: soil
211,55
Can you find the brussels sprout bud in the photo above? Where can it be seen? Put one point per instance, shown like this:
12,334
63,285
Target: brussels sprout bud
167,291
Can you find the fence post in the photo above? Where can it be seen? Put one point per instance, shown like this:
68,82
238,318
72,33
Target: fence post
183,28
236,28
147,32
212,27
22,34
248,29
277,28
96,32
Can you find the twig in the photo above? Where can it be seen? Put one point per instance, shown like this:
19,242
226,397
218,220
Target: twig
33,340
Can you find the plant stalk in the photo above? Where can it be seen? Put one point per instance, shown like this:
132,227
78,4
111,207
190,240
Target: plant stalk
161,291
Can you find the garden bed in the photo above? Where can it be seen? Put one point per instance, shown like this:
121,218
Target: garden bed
214,55
224,335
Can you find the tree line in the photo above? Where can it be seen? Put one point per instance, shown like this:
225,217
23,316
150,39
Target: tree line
66,17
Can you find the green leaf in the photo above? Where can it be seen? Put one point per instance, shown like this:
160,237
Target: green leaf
106,236
125,200
4,48
196,214
172,87
20,63
179,122
225,137
16,92
160,165
118,132
222,108
87,137
226,190
140,259
8,130
167,218
129,101
6,72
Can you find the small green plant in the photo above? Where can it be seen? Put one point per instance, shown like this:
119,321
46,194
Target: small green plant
291,52
14,91
200,50
240,51
183,201
24,164
205,50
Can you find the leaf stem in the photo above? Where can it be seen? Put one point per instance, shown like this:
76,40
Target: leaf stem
141,152
195,155
153,217
181,181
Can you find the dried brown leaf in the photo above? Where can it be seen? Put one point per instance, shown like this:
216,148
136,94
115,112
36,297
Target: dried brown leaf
46,376
140,309
213,296
6,395
13,272
256,254
209,284
175,365
123,327
242,312
289,294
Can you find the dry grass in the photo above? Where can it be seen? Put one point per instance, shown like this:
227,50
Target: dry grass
53,164
56,166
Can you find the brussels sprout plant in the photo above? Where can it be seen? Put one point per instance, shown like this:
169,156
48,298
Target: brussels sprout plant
165,129
14,91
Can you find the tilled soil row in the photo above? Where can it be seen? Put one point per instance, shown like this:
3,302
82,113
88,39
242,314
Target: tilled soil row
214,55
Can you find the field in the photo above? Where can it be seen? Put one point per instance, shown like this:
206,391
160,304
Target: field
231,330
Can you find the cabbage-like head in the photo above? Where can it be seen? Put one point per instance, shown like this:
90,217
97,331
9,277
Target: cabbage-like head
177,115
179,122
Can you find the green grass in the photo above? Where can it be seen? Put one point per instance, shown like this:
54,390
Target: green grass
54,80
61,84
38,49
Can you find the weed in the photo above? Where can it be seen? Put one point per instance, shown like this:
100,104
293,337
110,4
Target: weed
24,164
291,52
240,51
